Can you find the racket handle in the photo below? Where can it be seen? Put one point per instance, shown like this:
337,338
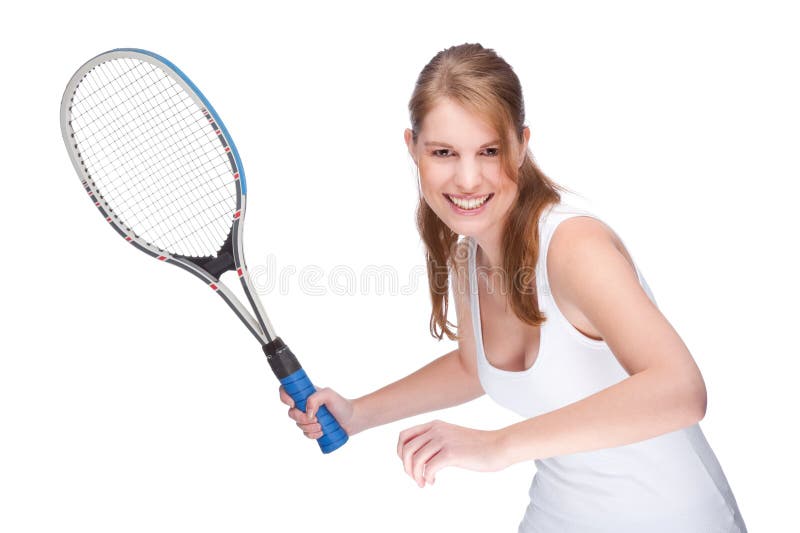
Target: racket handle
295,382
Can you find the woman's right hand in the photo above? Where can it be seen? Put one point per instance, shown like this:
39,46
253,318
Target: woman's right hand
341,408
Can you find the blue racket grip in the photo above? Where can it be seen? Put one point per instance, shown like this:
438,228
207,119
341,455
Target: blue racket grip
297,384
300,388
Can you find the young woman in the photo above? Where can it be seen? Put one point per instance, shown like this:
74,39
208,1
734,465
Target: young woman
555,322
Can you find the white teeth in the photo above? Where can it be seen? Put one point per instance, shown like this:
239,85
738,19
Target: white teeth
472,203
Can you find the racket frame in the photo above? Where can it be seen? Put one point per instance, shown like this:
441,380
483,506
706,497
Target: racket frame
257,322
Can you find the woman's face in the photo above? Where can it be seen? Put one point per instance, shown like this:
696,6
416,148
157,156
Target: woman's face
461,175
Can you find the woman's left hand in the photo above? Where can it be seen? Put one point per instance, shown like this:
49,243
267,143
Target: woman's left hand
427,448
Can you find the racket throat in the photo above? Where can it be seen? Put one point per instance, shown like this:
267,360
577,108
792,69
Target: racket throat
216,265
281,359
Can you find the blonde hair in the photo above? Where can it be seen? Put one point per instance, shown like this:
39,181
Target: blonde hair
482,82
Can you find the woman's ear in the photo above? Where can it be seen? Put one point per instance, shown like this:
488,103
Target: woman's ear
526,135
409,138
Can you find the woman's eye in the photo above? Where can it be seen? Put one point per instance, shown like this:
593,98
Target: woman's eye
446,152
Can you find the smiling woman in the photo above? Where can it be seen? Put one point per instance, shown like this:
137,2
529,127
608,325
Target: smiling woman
570,338
467,189
465,178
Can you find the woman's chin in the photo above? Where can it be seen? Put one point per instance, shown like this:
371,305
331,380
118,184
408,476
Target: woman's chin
467,226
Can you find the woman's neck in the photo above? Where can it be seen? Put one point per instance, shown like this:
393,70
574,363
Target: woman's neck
490,242
489,253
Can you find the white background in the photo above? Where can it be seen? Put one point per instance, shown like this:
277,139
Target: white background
131,399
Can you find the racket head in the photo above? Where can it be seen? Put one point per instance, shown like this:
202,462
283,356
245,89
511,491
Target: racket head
157,160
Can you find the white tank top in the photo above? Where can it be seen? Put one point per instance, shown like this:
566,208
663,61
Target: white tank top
670,483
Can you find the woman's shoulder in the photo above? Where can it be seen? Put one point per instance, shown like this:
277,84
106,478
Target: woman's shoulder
580,247
581,228
571,226
557,212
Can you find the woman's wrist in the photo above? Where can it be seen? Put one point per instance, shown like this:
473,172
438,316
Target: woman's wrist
358,422
506,446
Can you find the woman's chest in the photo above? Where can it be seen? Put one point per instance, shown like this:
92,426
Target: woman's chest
508,343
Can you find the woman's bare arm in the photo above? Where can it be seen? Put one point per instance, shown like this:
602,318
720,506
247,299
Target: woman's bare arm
444,382
665,390
450,380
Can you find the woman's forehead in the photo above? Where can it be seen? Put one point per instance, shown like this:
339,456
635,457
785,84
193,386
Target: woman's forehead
450,123
448,118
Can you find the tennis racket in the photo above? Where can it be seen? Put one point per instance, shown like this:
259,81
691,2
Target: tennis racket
158,163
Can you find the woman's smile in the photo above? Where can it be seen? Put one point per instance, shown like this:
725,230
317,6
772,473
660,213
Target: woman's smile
468,205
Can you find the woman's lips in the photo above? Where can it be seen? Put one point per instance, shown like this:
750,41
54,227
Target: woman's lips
468,205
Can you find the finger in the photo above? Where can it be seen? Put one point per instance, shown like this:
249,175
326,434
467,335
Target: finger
312,431
310,428
436,463
284,396
299,416
408,434
421,459
314,435
410,448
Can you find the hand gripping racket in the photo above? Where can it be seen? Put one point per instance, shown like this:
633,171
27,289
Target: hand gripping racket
162,169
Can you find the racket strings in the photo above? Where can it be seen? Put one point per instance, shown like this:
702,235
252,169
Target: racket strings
198,233
182,160
101,100
116,161
111,163
151,196
154,158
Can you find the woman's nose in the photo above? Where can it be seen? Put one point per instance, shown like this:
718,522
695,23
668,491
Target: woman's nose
468,175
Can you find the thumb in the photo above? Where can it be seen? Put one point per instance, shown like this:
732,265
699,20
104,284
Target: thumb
316,400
